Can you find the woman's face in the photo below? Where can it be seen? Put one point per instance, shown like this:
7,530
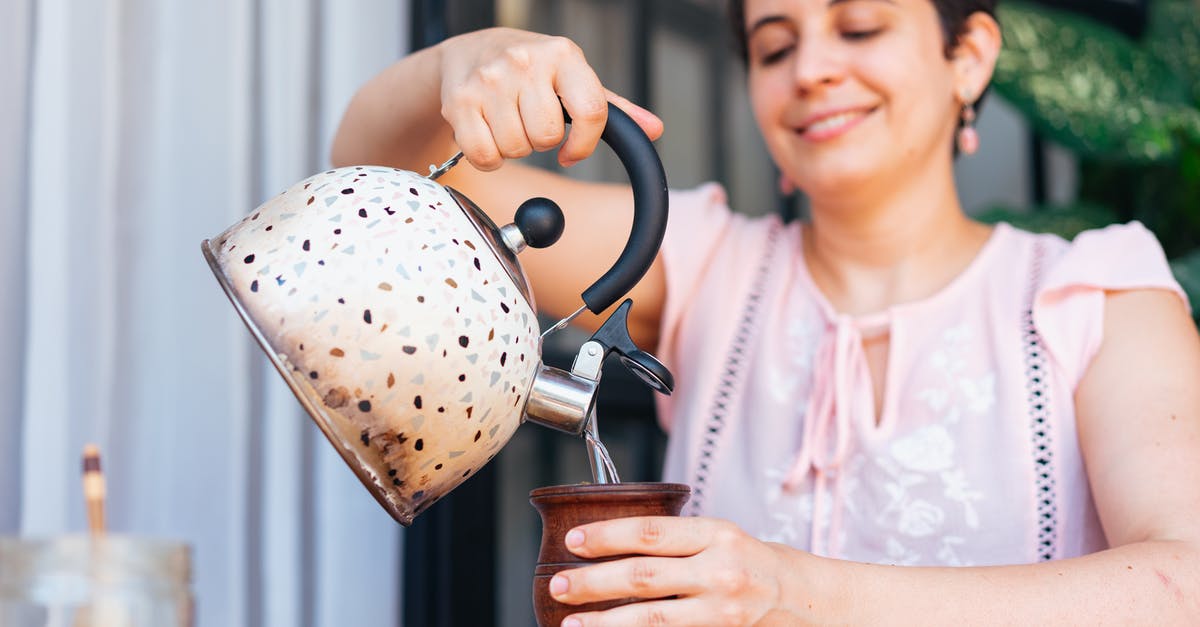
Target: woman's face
851,92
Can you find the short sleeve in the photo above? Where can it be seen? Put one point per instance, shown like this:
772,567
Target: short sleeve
698,219
1069,306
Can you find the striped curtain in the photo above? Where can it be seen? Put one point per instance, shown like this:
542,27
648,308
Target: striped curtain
129,131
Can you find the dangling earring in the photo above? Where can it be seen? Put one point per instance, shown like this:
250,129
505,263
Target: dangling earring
786,186
968,137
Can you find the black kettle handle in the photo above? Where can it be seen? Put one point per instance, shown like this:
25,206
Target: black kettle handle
649,183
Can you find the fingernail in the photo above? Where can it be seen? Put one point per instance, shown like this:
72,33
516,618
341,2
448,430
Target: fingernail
568,163
571,621
558,585
574,539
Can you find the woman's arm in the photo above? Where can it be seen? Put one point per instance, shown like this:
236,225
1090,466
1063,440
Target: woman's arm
1138,409
498,95
726,577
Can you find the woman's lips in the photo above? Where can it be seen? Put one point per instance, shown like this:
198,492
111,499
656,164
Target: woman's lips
827,126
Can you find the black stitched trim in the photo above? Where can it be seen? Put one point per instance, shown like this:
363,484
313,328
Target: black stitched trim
730,376
1046,492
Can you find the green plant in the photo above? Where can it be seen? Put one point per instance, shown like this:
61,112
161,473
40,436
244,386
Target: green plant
1129,109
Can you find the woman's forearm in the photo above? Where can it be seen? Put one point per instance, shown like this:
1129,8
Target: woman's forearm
1150,583
395,118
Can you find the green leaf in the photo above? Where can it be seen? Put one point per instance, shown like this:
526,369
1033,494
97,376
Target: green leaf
1091,88
1173,37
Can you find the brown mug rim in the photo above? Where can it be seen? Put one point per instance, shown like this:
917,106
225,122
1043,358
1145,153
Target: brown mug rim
636,487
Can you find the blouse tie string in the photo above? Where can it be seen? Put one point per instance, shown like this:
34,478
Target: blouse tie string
839,371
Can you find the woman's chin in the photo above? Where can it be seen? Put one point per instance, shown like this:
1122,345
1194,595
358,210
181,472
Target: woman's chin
842,161
837,182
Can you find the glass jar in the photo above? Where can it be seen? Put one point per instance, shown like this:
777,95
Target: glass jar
102,581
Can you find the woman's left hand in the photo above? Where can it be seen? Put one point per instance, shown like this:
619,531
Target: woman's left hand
717,574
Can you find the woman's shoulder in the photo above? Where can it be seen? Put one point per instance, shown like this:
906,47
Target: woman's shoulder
704,212
1115,257
1074,277
707,240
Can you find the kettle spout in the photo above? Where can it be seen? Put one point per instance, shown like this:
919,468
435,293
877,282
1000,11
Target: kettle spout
560,400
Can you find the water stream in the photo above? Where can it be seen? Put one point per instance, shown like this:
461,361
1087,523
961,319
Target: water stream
603,470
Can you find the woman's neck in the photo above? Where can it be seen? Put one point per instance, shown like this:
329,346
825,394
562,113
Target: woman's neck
890,244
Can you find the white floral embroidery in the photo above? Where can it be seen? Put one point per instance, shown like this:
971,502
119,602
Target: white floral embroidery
787,511
785,531
950,359
928,449
901,555
947,553
800,341
913,491
774,482
921,474
979,394
935,398
957,490
791,512
921,518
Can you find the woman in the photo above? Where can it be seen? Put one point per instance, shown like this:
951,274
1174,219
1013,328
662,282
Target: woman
891,384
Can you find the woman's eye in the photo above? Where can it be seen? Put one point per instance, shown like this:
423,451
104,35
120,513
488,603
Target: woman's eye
775,56
860,35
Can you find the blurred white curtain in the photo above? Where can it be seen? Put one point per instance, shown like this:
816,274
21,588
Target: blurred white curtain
129,131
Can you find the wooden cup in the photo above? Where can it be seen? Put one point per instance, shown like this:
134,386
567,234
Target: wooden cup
567,506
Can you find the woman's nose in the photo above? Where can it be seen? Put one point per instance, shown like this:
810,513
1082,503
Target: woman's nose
817,64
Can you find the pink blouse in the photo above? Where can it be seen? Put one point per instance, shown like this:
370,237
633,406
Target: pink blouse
975,458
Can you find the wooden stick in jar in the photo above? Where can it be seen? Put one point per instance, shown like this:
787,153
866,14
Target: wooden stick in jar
93,488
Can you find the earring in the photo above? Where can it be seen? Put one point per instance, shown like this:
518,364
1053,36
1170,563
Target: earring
786,186
968,137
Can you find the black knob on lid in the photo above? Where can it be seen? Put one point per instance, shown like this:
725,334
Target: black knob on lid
540,222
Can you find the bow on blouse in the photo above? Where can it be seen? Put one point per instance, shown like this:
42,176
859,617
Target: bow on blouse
841,394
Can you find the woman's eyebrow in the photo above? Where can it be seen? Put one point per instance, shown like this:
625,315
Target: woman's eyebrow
765,21
773,19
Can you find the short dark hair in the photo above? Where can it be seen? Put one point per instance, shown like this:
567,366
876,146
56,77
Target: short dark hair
953,15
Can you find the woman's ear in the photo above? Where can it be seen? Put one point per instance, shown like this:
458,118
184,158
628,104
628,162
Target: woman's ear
974,57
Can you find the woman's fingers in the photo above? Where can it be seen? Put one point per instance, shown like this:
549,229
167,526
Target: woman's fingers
651,124
667,536
585,100
634,577
541,114
716,573
508,129
651,614
474,139
504,91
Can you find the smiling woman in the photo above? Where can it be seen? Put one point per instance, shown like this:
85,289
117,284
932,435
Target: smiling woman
886,48
886,386
859,24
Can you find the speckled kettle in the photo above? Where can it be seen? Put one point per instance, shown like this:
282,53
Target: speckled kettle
398,315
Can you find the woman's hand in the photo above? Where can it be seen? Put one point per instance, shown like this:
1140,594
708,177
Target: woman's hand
718,574
503,92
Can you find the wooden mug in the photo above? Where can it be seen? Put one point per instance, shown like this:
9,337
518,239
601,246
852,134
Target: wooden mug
565,507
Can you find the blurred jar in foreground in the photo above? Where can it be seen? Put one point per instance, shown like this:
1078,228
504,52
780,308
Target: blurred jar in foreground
95,581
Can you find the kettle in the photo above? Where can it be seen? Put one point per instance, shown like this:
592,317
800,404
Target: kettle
398,315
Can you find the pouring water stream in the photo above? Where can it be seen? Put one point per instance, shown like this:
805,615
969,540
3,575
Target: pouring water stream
603,470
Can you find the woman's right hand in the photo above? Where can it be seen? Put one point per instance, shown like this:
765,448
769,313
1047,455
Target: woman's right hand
499,94
503,92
